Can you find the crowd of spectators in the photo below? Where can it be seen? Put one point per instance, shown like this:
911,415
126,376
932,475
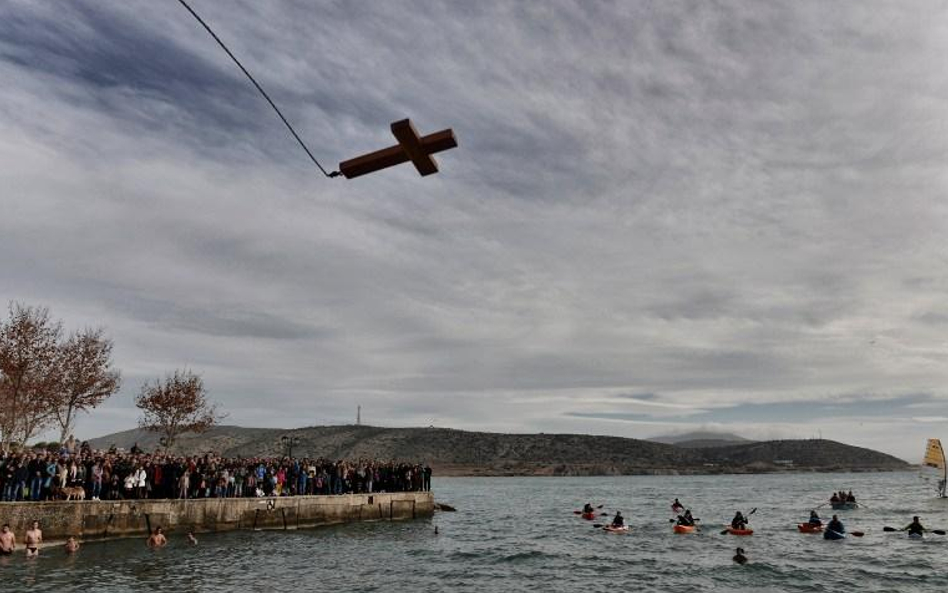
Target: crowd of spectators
115,475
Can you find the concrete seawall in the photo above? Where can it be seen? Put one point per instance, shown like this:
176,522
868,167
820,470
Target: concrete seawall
99,520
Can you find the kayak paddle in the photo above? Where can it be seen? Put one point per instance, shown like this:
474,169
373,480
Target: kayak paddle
582,512
935,531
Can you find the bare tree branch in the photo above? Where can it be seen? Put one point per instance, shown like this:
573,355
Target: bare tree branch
175,406
86,377
28,372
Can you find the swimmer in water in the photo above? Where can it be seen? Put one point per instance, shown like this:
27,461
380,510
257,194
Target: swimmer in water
191,539
72,546
739,557
34,537
157,539
7,540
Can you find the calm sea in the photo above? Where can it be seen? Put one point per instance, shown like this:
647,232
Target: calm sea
519,534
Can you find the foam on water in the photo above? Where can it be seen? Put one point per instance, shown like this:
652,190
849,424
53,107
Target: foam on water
520,534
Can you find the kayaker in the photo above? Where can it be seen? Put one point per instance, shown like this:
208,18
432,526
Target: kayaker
686,519
834,498
739,557
739,522
677,506
850,497
815,519
618,521
588,509
915,528
835,525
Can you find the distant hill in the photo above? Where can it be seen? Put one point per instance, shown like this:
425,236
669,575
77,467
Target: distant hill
700,439
458,452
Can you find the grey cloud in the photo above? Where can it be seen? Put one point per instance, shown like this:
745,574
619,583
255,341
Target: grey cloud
217,321
112,62
858,409
714,204
639,396
932,317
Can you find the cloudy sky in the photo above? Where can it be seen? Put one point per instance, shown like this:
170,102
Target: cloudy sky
660,216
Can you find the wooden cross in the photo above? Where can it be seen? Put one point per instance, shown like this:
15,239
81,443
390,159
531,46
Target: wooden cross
410,147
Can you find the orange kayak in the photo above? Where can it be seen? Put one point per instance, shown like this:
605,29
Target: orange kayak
734,531
810,528
684,528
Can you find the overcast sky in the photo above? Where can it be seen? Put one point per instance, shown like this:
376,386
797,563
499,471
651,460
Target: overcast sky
660,215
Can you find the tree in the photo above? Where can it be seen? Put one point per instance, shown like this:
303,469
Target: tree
86,376
175,406
28,376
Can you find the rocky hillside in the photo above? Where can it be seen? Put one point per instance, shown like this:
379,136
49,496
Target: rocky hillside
701,439
458,452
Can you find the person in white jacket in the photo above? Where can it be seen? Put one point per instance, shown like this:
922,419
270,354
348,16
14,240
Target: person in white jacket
140,478
130,485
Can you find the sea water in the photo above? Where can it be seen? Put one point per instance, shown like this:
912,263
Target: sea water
520,534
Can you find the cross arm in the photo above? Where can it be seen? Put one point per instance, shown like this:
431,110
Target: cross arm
396,155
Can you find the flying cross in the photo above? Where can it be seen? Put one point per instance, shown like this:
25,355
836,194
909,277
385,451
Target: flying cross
410,147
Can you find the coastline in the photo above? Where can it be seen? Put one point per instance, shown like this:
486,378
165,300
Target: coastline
89,520
594,470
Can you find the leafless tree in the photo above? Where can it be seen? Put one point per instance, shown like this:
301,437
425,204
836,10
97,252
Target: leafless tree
86,377
176,405
28,377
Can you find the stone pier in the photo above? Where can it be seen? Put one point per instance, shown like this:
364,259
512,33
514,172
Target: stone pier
99,520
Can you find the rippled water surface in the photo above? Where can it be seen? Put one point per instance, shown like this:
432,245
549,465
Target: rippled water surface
519,534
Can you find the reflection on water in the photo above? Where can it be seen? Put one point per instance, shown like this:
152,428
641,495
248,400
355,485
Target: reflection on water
519,534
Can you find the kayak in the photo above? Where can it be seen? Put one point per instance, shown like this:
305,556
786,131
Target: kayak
589,516
830,534
734,531
810,528
916,536
677,509
684,528
844,506
611,529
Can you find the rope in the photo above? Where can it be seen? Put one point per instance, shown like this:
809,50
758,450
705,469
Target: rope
259,88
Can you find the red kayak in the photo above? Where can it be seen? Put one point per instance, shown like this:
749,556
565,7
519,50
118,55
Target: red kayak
684,528
589,516
734,531
810,528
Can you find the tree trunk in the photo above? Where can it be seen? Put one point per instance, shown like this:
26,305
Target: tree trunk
66,430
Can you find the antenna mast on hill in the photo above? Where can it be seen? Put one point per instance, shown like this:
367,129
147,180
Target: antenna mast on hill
358,415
